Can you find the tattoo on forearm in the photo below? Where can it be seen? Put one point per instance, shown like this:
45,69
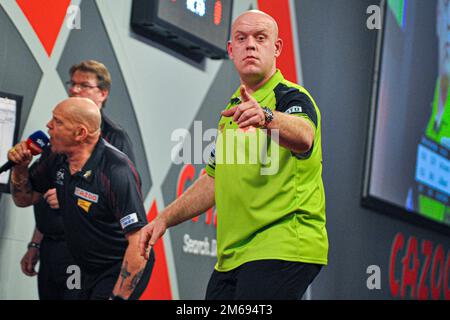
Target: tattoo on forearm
124,273
134,282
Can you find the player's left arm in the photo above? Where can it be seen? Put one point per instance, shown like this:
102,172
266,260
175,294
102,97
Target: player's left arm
126,203
132,269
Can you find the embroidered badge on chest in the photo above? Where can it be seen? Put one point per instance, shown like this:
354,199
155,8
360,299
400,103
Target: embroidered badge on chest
86,195
87,175
85,205
60,177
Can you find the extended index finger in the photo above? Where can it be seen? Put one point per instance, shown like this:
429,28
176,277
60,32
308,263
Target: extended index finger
245,96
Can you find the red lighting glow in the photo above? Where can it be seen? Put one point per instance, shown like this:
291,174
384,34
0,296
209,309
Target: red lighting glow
218,13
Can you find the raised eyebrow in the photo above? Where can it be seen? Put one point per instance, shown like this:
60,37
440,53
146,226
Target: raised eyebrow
264,33
239,33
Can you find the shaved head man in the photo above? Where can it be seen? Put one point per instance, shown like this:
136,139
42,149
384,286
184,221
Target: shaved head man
83,112
88,79
254,47
281,242
74,128
98,196
262,19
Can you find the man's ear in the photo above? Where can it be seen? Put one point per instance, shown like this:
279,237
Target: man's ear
81,133
230,50
278,47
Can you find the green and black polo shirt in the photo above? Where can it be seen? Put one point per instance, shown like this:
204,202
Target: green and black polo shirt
270,202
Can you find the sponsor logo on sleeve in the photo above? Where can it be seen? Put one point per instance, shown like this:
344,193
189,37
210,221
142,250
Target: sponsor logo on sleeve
128,220
294,109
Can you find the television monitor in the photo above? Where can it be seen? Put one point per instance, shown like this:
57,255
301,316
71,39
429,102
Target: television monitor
407,170
194,28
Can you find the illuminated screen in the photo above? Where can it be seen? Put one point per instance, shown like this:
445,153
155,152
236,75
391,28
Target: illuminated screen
191,26
408,159
208,20
9,122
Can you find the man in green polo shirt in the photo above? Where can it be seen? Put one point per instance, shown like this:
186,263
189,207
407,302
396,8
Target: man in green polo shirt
264,176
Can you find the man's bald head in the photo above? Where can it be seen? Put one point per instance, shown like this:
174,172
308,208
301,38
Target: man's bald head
81,111
256,14
254,47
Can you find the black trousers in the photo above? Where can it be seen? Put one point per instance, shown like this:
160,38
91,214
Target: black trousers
263,280
55,258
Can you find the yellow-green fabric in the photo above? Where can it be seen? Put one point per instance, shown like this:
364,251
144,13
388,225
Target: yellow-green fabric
274,207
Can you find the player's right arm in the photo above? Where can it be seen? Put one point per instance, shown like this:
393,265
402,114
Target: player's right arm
21,189
196,200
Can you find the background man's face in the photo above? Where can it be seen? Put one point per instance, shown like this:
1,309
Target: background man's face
93,92
443,33
253,46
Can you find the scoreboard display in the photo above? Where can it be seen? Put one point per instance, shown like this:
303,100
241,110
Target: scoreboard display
194,28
